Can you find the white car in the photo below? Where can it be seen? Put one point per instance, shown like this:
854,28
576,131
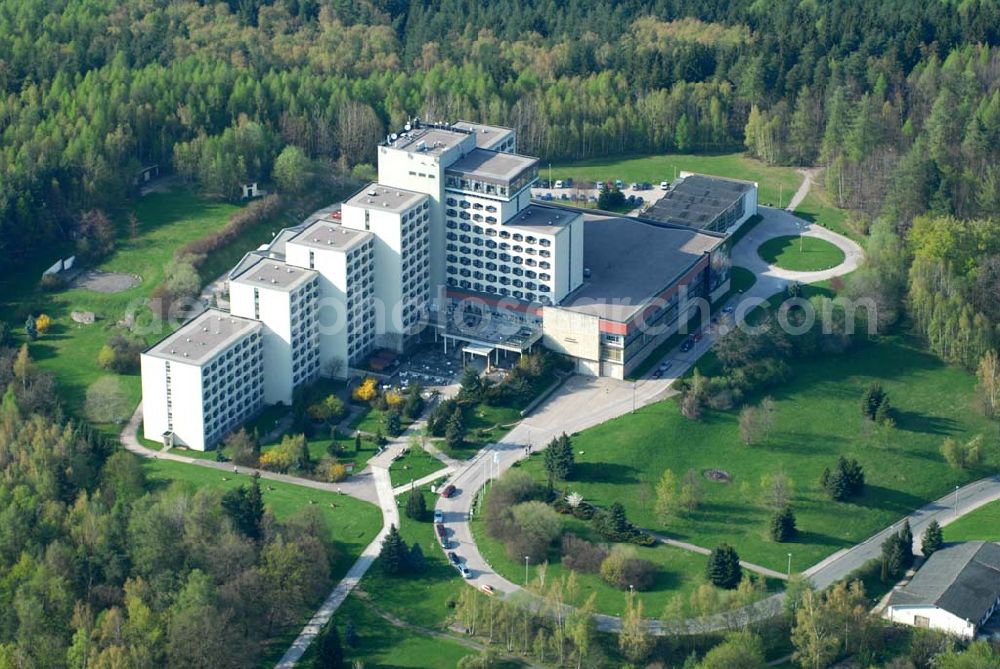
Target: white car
438,516
664,185
559,183
464,571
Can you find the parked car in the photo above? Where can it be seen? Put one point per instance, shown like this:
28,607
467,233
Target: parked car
544,183
453,558
645,185
698,336
664,366
687,345
337,214
657,374
619,184
448,491
558,184
664,185
547,197
464,571
563,196
438,516
567,183
488,589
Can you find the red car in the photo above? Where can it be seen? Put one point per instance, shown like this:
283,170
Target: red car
337,214
448,491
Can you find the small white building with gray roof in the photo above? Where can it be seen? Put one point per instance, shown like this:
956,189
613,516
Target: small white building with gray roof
956,591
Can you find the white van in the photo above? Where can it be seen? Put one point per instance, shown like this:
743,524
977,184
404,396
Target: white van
664,185
559,183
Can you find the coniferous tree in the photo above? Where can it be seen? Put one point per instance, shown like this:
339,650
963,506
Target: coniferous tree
416,505
723,567
454,434
394,553
329,652
783,525
932,540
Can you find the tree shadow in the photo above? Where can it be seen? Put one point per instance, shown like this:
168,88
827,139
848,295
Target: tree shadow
817,539
888,499
911,421
604,472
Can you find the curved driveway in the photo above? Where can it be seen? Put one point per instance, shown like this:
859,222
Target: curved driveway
584,402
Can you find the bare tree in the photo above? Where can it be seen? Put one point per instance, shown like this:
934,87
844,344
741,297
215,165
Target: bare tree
750,425
359,131
988,388
106,401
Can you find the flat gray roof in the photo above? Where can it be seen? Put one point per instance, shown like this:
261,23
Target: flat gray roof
492,165
539,218
200,339
430,140
326,235
697,200
963,579
631,262
385,198
275,275
486,135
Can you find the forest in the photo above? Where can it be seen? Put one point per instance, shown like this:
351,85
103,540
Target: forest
898,99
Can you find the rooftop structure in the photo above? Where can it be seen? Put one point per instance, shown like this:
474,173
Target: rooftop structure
275,275
540,218
432,140
326,235
199,339
962,579
631,262
699,201
493,166
487,136
385,198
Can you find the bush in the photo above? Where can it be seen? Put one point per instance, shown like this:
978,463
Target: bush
621,569
106,401
337,472
611,199
963,456
121,355
51,283
256,212
243,448
612,525
582,555
366,391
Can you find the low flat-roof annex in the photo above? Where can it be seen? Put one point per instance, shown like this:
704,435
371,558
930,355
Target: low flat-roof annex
631,262
697,200
198,340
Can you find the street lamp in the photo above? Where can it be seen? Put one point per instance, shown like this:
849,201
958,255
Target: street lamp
633,397
789,565
956,501
525,571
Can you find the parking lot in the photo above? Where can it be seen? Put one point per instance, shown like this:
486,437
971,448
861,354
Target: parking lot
586,194
429,367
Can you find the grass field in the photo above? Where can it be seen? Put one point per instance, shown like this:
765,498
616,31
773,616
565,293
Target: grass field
415,465
774,182
678,572
800,254
817,419
166,221
983,524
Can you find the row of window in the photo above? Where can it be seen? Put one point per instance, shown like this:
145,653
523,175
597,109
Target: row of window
502,280
465,204
501,290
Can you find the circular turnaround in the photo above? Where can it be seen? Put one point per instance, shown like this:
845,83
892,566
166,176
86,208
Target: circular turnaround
801,254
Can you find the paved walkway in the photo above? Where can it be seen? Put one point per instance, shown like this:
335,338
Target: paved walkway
701,550
584,402
430,478
360,486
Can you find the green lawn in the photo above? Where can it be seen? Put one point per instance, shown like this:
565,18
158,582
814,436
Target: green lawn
483,425
418,599
678,572
166,221
816,208
774,182
983,524
818,418
380,644
413,466
741,280
800,254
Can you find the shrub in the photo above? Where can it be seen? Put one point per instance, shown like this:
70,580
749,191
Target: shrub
243,448
337,472
292,454
621,569
612,525
120,355
963,456
582,555
392,423
43,323
932,540
51,283
366,390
